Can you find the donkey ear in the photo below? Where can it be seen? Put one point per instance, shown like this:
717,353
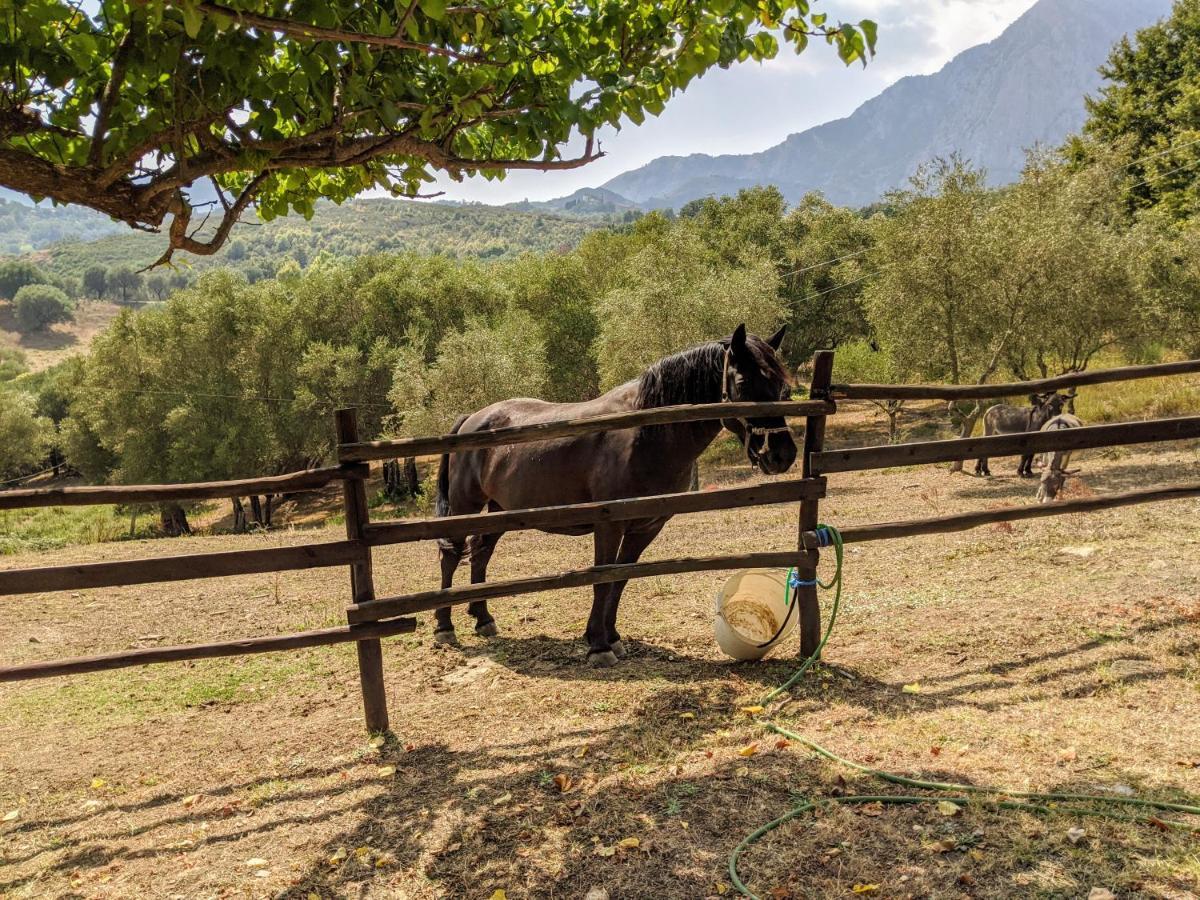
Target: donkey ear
737,343
1036,399
776,340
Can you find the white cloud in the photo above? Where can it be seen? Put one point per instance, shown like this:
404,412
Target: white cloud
753,106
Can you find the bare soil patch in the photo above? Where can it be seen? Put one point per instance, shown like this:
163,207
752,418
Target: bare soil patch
1055,654
44,349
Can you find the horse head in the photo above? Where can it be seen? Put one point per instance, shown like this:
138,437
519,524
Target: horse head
754,373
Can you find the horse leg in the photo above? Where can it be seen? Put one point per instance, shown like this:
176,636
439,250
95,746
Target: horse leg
632,546
450,553
482,547
981,466
1025,469
600,652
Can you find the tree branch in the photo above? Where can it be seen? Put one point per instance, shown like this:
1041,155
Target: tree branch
115,81
319,33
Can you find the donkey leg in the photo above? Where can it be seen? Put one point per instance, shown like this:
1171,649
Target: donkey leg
482,547
600,652
632,546
450,553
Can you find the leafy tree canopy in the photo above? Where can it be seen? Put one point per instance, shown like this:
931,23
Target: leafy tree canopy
38,306
1151,110
127,105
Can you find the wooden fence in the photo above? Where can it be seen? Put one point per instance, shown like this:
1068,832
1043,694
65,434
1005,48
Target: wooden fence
370,618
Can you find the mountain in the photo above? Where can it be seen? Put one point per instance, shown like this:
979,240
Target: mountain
989,104
584,202
25,227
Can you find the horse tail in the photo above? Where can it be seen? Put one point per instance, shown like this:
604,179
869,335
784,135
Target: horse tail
441,505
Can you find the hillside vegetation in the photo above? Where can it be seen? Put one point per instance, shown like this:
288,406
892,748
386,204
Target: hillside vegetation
260,249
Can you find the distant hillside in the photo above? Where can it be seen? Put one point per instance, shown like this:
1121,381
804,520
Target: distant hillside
989,103
24,227
352,229
584,202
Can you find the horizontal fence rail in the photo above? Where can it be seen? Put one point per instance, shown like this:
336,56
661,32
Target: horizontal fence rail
1090,436
544,431
595,513
426,600
1009,389
855,534
179,568
294,482
318,638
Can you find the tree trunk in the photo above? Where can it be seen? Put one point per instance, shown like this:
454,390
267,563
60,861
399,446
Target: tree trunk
893,413
393,486
412,476
268,509
967,426
174,520
239,516
256,510
694,483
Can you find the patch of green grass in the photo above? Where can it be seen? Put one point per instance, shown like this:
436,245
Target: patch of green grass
47,528
132,695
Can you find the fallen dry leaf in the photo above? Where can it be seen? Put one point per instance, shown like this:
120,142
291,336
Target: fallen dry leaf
190,800
748,750
502,799
946,808
687,715
1099,893
339,856
12,816
376,742
722,888
752,710
605,851
563,782
98,783
865,888
385,771
782,744
945,845
871,809
499,894
256,863
914,688
582,752
1076,834
629,843
1068,755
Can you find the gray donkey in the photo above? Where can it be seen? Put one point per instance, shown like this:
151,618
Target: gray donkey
1006,419
1054,476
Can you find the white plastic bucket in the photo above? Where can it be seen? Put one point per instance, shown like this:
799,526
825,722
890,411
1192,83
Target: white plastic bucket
751,607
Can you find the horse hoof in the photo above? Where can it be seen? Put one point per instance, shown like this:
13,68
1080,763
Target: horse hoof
448,638
618,647
487,630
602,659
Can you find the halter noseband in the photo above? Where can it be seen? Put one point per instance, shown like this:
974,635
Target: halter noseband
748,430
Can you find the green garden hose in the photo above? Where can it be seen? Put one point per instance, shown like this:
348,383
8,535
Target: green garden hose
963,794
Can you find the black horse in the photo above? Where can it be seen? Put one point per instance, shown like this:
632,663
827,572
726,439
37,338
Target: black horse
610,465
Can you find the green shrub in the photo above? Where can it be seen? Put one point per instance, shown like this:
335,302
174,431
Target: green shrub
38,306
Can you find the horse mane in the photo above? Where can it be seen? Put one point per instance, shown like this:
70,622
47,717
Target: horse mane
694,375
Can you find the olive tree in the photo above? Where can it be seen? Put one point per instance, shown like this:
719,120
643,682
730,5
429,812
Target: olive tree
25,437
38,306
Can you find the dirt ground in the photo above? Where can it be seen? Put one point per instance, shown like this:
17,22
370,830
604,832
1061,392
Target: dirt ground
1056,654
44,349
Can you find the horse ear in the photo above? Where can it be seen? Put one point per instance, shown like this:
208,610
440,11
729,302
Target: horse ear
737,343
776,340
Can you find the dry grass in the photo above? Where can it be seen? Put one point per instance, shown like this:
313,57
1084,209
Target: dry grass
1056,654
44,349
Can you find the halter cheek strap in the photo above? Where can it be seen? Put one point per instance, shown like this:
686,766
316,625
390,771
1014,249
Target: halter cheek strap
748,430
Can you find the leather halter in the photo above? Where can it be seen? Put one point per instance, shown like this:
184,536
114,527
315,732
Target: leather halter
748,430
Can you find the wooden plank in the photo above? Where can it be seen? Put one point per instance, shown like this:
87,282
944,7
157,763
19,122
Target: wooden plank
308,480
426,600
854,534
177,568
243,647
520,434
1008,389
589,513
807,602
362,584
860,458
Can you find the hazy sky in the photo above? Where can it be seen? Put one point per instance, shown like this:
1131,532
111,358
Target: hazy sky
752,106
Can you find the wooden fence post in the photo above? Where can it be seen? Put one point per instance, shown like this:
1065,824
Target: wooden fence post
362,586
814,442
